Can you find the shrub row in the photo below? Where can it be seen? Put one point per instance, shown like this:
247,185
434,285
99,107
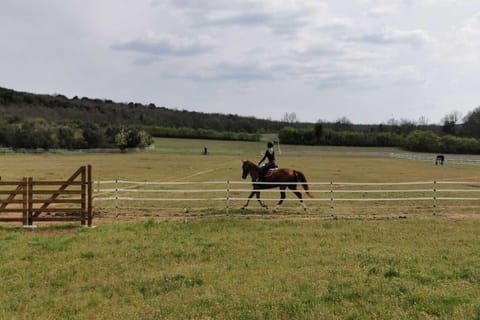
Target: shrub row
417,140
192,133
39,134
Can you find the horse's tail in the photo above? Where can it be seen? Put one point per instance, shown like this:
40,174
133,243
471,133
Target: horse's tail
301,178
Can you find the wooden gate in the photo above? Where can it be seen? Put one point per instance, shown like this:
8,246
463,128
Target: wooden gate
69,200
14,201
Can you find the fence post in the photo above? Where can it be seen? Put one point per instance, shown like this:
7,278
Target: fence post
434,197
83,205
25,201
89,196
228,195
116,198
30,201
331,196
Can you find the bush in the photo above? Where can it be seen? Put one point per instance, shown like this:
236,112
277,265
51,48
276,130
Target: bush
128,138
200,133
418,140
326,136
423,141
452,144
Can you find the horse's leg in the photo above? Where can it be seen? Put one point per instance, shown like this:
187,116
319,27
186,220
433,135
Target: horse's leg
260,201
299,196
282,197
248,200
257,193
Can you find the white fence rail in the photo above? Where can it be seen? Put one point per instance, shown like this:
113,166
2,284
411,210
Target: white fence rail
116,195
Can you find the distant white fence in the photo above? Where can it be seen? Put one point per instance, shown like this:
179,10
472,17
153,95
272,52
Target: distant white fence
428,157
329,197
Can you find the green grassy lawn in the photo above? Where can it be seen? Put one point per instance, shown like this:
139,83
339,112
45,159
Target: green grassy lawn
424,268
177,159
243,266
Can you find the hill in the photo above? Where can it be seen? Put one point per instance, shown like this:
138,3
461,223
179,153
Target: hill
21,106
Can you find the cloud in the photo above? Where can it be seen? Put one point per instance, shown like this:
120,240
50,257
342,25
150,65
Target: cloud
322,50
414,38
335,24
283,17
248,19
241,72
349,76
472,25
166,45
462,44
382,11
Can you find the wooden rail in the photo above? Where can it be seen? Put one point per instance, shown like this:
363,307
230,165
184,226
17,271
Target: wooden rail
16,201
69,200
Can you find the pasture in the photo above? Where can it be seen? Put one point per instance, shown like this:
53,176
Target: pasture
249,265
180,160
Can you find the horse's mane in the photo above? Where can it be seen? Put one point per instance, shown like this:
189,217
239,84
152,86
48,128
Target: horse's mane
251,163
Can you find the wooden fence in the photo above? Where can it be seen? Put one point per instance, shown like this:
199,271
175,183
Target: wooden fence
30,200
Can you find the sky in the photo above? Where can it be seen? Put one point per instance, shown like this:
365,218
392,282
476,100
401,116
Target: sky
367,60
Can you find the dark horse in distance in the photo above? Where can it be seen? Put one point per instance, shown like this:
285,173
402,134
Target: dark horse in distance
279,178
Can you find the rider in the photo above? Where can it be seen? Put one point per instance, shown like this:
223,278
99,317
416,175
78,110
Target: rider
270,155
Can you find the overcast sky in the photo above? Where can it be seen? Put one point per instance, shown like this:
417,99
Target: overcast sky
367,60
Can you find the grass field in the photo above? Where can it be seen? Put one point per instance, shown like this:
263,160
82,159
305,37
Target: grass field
243,269
243,266
180,160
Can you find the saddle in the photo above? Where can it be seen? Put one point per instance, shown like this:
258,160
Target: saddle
269,172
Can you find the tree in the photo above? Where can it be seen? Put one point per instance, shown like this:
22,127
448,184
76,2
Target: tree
121,139
65,136
422,121
424,141
471,124
128,138
450,122
342,124
290,117
318,131
145,139
93,135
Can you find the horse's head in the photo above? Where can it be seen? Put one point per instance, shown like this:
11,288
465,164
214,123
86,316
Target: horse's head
244,169
248,167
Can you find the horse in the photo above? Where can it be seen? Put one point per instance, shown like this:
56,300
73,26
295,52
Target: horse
285,177
440,159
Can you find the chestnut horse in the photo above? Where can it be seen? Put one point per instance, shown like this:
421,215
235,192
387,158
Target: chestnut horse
280,178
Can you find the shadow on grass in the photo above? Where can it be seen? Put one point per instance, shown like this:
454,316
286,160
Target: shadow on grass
43,227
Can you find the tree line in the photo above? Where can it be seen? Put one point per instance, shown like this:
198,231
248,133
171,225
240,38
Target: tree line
408,136
41,134
55,121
